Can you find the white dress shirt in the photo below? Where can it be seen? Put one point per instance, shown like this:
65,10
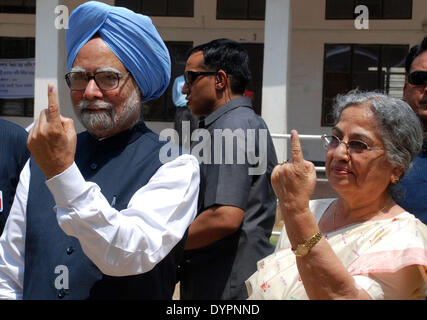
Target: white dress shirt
123,243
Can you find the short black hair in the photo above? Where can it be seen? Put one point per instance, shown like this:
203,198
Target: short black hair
229,56
414,52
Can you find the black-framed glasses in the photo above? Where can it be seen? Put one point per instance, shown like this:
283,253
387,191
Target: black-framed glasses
418,78
191,76
353,146
105,80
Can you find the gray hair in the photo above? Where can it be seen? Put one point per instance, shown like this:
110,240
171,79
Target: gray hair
398,126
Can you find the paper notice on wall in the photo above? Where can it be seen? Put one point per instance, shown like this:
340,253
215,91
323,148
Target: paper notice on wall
17,78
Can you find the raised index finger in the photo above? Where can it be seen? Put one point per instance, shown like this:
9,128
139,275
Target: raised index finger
53,113
297,157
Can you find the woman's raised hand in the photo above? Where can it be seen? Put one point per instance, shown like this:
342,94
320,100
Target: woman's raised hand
294,182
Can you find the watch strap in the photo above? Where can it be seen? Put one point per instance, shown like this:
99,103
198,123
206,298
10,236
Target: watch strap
310,243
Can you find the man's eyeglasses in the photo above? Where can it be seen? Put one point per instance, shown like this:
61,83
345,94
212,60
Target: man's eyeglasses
191,76
353,146
418,78
105,80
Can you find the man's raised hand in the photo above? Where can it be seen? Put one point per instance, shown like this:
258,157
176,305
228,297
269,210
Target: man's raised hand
52,140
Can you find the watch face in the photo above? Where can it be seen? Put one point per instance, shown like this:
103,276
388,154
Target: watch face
302,250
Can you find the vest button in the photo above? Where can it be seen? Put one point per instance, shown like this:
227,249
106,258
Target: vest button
93,166
62,293
70,250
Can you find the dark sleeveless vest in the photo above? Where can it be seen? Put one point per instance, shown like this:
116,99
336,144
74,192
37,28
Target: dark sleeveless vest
120,165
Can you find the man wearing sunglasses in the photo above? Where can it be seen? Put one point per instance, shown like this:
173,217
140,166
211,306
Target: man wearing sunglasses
414,183
236,210
121,213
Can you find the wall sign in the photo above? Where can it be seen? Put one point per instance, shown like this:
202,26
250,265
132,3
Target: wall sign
17,78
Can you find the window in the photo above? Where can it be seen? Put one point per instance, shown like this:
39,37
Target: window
17,48
363,66
378,9
241,9
18,6
256,65
165,8
163,109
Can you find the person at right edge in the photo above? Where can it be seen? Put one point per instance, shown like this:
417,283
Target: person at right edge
236,210
414,183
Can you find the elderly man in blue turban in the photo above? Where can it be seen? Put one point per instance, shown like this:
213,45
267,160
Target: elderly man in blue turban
121,214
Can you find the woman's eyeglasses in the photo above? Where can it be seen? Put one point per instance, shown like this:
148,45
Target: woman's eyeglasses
105,80
191,76
353,146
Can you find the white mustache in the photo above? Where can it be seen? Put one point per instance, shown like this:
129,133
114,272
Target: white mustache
100,105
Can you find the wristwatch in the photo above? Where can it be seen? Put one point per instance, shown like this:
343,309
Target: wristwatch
304,248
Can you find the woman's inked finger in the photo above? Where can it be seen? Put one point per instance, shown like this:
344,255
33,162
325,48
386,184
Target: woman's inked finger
297,157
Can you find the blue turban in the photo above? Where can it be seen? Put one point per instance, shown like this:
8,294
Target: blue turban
133,39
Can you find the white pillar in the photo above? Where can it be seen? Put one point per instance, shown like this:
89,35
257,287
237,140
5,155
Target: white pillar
275,76
49,58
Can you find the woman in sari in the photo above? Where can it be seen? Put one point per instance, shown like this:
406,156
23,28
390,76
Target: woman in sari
361,245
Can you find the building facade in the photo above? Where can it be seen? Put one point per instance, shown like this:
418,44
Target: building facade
303,52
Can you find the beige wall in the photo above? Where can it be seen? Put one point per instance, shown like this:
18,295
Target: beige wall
17,25
204,27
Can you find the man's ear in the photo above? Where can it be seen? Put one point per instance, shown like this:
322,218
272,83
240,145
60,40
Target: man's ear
221,80
405,87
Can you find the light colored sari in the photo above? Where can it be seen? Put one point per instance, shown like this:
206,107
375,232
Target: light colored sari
366,249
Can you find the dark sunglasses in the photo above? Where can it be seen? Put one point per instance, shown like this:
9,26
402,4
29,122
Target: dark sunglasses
191,76
418,78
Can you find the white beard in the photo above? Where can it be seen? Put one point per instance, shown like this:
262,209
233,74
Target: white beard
108,119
